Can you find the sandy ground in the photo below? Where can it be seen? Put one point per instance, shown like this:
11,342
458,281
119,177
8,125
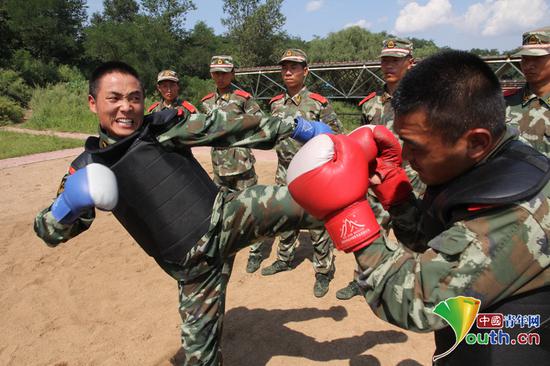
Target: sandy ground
100,300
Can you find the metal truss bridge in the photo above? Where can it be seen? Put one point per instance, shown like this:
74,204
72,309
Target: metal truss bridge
353,80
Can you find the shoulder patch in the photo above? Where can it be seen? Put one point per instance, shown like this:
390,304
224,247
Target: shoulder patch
190,107
367,98
318,97
207,96
276,98
509,92
243,94
153,106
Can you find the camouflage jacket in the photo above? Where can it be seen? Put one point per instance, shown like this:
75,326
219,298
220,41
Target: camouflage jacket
237,160
376,108
191,130
310,106
177,103
492,256
531,115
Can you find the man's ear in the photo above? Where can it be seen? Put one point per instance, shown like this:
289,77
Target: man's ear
479,143
92,104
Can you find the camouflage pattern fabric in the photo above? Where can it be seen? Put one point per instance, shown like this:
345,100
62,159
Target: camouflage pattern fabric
176,103
531,116
491,256
233,161
256,212
233,167
310,108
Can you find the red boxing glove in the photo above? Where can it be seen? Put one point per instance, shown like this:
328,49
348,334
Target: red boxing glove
323,178
395,187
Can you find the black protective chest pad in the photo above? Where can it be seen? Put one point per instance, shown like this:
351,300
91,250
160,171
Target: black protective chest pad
165,197
517,172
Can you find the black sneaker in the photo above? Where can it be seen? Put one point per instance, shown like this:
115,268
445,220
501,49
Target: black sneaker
320,288
351,290
276,267
253,264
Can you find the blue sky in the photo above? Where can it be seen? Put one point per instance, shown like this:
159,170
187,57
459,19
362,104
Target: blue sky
458,24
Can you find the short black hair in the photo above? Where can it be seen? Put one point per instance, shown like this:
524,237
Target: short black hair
107,68
458,91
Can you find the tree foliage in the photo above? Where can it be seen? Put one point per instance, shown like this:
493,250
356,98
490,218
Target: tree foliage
255,27
49,29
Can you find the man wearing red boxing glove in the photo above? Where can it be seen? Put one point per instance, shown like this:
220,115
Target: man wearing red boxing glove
482,223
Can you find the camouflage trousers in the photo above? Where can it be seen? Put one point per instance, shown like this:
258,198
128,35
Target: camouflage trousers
238,219
238,182
323,256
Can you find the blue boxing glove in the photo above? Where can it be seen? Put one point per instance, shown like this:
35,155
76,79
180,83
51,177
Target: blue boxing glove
92,186
306,130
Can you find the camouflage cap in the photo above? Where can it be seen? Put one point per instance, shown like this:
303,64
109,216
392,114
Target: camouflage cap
396,47
167,75
221,64
535,43
294,55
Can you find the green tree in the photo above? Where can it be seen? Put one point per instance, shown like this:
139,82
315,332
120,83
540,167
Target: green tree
349,44
171,12
143,43
199,46
49,29
485,52
117,11
255,27
7,37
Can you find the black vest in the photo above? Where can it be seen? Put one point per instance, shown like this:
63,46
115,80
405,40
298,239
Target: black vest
517,172
165,197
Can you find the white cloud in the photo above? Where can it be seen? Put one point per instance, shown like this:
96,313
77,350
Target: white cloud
496,17
414,17
363,23
314,5
487,18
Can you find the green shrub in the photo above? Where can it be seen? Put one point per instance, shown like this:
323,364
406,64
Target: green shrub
194,88
62,107
13,86
349,114
34,71
10,111
70,74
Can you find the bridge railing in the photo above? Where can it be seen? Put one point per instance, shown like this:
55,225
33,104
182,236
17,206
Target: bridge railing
351,80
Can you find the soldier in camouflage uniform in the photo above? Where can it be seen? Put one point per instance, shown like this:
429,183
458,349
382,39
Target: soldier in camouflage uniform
168,85
233,167
299,101
483,222
396,58
528,109
225,221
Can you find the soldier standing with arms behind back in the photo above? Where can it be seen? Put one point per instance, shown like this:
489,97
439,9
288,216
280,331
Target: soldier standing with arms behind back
396,59
233,167
168,85
299,101
528,109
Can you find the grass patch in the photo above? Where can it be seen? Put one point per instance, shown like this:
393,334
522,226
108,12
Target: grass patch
62,107
14,144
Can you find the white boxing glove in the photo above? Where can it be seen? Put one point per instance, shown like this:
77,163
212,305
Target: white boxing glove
92,186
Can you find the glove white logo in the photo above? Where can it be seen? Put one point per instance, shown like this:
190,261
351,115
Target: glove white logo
351,230
307,127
